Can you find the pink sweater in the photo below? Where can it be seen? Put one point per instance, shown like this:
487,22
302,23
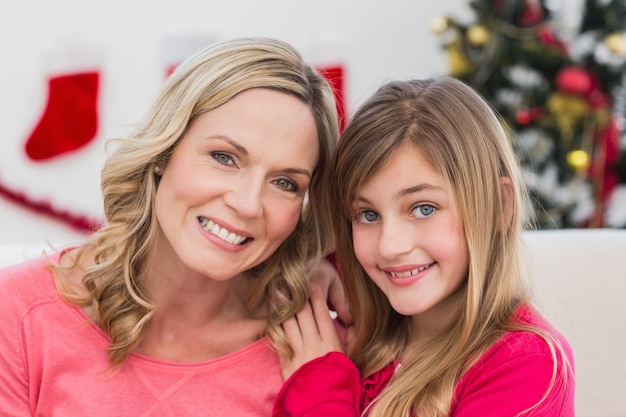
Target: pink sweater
510,377
53,363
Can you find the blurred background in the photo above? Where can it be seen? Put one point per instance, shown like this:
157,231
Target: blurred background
76,73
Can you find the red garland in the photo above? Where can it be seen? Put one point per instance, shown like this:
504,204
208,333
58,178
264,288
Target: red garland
78,222
602,171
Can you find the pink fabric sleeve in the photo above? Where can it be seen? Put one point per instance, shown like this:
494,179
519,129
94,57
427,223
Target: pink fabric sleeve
14,389
53,362
326,386
513,376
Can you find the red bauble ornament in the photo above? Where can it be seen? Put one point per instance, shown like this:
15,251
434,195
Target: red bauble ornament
522,117
532,13
527,116
598,99
548,38
574,80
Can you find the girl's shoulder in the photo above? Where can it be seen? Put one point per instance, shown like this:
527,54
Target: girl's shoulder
540,339
529,315
532,367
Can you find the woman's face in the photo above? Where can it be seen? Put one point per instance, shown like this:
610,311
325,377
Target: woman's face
233,189
407,237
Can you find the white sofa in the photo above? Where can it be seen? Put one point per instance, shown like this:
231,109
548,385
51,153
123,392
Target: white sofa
579,282
578,279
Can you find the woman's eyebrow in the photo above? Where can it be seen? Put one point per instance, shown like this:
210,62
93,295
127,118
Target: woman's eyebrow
298,171
231,142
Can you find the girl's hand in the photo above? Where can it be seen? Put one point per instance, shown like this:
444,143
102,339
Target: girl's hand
311,333
327,278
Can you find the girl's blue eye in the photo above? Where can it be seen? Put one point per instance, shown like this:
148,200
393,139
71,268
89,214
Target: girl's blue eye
367,216
424,210
223,158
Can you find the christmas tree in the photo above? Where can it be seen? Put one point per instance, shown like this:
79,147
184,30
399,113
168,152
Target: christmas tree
560,90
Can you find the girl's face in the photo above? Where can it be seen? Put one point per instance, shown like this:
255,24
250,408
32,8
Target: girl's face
407,237
233,189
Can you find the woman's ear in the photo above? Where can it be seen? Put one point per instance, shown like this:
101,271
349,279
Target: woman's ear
508,200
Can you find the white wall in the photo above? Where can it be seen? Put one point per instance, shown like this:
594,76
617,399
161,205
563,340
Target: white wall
376,40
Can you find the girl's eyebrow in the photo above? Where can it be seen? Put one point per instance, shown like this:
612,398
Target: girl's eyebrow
420,187
410,190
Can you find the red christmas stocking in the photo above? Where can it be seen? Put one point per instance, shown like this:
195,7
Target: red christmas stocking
70,119
335,76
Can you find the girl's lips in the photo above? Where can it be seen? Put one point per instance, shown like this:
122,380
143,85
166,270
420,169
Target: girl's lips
402,276
403,272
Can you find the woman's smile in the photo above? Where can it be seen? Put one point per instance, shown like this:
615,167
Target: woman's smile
234,187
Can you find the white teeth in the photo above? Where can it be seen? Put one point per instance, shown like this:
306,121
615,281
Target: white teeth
220,232
404,274
232,238
408,273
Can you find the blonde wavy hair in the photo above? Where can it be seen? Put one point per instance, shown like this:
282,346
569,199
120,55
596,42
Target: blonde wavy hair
123,245
460,135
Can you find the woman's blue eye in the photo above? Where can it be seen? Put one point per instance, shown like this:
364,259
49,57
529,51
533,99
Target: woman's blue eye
286,184
223,158
425,210
367,216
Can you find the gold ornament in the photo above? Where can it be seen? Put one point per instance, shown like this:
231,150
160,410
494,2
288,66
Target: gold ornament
478,35
616,43
567,112
440,24
459,64
578,159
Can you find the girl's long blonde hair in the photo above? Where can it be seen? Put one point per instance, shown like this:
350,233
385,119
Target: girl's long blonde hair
123,245
460,135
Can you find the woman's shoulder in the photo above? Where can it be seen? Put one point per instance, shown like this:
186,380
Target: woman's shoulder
22,274
27,283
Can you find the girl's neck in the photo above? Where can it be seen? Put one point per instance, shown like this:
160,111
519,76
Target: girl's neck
437,319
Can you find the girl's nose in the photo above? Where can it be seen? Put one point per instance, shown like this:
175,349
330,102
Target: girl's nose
394,240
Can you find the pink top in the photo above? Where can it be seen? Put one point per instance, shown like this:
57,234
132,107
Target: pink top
53,363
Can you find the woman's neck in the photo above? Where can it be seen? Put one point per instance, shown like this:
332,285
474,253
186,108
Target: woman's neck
197,318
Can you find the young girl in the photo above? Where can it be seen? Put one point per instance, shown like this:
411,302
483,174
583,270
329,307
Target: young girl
428,213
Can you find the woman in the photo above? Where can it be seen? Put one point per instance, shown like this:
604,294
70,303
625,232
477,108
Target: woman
213,220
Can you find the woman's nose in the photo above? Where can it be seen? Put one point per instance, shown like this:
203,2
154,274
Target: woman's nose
246,196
